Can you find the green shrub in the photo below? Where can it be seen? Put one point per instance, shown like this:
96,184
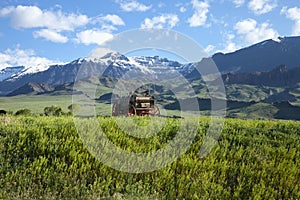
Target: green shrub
24,112
53,111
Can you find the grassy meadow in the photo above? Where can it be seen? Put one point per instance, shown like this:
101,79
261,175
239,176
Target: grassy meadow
37,103
45,158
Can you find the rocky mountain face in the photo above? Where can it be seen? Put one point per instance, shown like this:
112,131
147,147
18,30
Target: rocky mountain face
260,57
32,88
112,64
271,63
280,76
55,75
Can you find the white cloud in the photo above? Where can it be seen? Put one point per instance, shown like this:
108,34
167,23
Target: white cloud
293,14
4,12
182,9
18,57
50,35
182,6
199,17
218,21
253,32
51,25
133,5
34,17
245,26
238,3
229,45
5,60
93,36
164,20
114,19
108,22
262,6
210,49
161,5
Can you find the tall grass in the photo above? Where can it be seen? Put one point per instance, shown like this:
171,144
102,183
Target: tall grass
45,157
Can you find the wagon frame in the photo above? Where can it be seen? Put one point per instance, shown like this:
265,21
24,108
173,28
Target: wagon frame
139,103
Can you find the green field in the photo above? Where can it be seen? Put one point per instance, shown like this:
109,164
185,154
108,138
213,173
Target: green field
35,103
235,109
243,101
44,158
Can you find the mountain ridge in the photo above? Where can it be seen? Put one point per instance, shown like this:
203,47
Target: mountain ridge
279,76
262,56
245,66
32,88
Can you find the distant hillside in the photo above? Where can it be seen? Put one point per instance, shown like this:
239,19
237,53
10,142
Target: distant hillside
278,77
32,88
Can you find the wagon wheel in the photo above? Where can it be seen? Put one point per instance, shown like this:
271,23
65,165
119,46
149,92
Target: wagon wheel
155,110
132,110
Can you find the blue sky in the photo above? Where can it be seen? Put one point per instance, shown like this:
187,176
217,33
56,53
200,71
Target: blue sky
51,31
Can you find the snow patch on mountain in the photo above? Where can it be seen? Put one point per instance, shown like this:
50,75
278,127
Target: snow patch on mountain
16,72
35,69
9,72
142,68
31,70
111,60
106,56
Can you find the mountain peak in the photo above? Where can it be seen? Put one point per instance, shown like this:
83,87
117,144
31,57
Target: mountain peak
103,53
106,56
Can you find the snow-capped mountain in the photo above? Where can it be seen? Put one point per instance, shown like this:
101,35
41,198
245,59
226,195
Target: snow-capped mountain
260,57
110,63
9,72
31,70
16,72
